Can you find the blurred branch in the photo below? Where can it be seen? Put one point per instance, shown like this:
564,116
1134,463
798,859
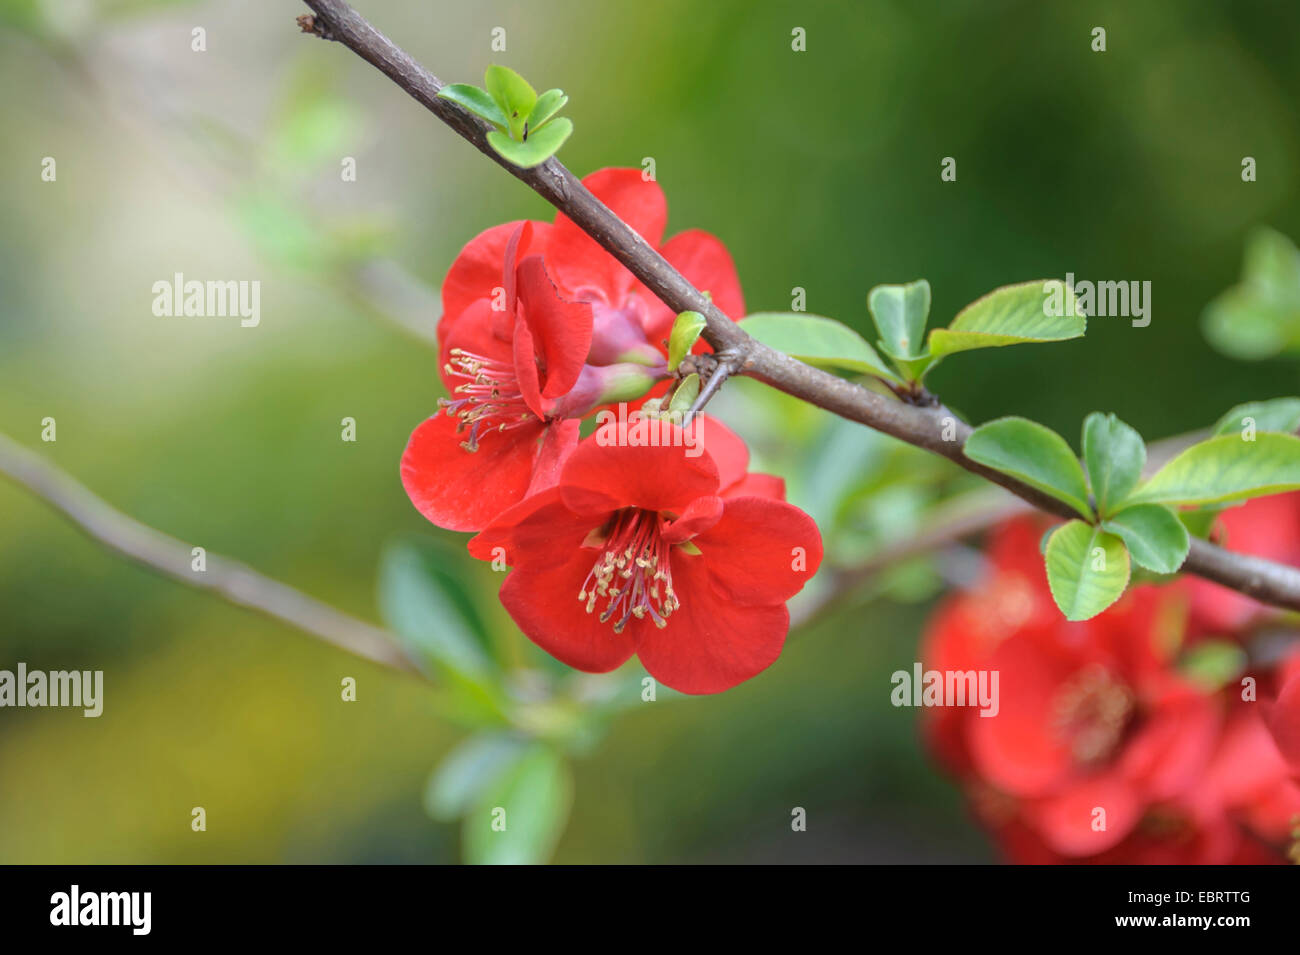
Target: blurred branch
934,427
227,578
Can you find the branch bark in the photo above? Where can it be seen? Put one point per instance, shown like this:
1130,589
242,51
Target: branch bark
230,579
934,428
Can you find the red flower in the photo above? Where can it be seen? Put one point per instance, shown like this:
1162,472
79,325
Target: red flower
1267,527
521,357
1096,715
503,431
668,551
627,314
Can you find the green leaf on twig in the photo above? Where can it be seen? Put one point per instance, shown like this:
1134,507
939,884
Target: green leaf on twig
1087,569
1034,454
818,341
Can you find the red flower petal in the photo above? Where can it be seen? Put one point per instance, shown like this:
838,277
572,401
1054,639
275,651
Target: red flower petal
728,450
750,554
479,269
460,490
700,515
561,330
1284,721
710,643
1016,750
541,595
757,485
473,331
578,262
1066,821
705,262
606,473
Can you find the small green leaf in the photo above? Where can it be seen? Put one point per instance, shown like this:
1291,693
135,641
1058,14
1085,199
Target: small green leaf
1214,664
1087,569
468,770
1038,311
475,100
817,341
513,94
519,819
685,394
686,332
548,104
1226,468
1277,414
1154,535
540,146
1034,454
900,312
1115,456
1199,521
429,608
1260,316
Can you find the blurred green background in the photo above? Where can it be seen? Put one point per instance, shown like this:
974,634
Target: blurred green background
819,169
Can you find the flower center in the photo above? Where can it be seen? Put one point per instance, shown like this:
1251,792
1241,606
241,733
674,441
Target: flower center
1092,712
633,575
489,398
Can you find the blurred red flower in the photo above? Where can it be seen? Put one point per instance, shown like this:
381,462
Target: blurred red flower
679,557
1103,749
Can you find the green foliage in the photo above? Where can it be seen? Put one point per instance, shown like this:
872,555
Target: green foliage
1115,455
1012,315
424,598
900,313
818,341
1277,414
528,129
462,778
477,101
1224,469
1154,535
1033,454
519,816
684,395
1087,569
1260,316
1213,664
686,332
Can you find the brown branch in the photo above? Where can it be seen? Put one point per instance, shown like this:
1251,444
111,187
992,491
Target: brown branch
934,428
230,579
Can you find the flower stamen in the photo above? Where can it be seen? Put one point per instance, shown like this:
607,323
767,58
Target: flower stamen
632,567
489,399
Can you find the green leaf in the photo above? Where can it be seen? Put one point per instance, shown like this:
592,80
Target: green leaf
1038,311
540,146
686,332
465,774
685,394
429,607
1034,454
535,795
1226,468
1154,535
548,104
1214,664
818,341
477,101
1260,316
1087,569
1115,455
1277,414
513,94
900,312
